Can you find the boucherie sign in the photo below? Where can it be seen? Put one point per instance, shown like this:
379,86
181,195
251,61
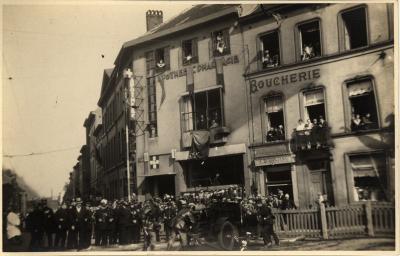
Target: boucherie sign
283,80
228,60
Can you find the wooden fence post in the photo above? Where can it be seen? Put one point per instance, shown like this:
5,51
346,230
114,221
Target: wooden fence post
324,225
368,214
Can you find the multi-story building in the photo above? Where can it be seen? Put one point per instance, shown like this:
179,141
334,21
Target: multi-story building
91,123
207,40
113,138
309,62
296,97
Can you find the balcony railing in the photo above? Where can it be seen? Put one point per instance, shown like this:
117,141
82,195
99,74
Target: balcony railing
311,139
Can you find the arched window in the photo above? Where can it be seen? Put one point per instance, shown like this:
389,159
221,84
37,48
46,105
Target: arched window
274,117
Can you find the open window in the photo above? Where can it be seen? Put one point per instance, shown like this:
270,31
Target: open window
370,178
278,178
189,52
270,51
363,106
274,117
353,27
202,112
314,105
309,40
221,44
162,59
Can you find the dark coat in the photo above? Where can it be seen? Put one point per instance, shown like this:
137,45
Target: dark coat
61,219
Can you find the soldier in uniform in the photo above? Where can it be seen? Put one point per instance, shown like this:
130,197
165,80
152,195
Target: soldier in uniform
181,225
266,221
83,222
149,213
101,217
72,240
34,223
124,222
168,214
49,224
157,218
61,218
136,223
112,222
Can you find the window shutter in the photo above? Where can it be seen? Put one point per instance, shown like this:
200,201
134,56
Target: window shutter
166,58
227,41
194,48
211,47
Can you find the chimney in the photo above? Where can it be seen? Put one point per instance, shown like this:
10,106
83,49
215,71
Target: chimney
153,19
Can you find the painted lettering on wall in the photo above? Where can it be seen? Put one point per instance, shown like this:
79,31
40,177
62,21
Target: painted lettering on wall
228,60
282,80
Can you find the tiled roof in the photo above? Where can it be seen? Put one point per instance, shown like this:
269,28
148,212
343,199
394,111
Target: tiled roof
196,15
198,11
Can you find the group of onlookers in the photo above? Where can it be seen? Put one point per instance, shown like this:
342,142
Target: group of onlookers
363,122
311,134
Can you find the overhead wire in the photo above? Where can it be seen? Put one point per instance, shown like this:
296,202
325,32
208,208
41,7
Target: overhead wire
40,153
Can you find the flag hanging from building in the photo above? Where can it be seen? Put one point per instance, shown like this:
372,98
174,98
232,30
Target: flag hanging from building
219,69
189,80
163,93
200,145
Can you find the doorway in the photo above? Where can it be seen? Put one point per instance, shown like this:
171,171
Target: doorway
160,185
320,181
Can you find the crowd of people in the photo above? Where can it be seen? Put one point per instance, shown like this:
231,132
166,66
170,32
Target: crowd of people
311,134
79,225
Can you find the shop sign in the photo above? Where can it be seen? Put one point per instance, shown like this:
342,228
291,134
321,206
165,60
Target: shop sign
273,160
283,80
228,60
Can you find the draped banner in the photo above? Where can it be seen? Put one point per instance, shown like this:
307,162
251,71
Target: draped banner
219,69
189,80
200,145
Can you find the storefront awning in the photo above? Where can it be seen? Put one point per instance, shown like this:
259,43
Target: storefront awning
215,151
360,88
314,98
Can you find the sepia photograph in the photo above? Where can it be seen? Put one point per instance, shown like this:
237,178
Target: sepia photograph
237,127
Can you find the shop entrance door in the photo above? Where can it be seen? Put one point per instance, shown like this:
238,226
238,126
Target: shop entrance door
320,181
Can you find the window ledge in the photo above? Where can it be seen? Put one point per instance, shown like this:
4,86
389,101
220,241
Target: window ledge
261,144
362,132
370,47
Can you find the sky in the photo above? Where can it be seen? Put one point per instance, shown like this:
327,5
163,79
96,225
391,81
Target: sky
51,80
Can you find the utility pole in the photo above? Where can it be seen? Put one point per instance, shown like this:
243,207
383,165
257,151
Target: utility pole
127,78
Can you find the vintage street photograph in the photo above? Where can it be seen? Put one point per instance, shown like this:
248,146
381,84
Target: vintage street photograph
199,126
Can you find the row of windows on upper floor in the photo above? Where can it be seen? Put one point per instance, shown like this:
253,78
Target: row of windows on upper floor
353,30
206,111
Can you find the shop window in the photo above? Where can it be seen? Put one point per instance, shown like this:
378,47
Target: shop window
275,123
152,106
221,44
278,180
369,174
189,52
354,28
207,111
309,40
363,106
216,171
270,51
162,59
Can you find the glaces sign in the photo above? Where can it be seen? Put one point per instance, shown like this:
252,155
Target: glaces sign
199,68
285,79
